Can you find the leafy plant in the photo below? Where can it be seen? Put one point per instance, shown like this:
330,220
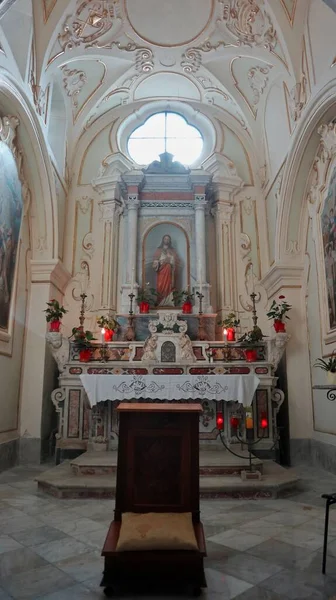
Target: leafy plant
55,311
147,295
279,310
327,365
180,297
107,322
82,338
252,338
230,321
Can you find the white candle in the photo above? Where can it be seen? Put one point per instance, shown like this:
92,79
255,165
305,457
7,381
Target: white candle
225,334
102,335
132,281
252,278
200,276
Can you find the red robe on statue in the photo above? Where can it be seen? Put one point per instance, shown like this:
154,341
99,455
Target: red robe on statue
165,262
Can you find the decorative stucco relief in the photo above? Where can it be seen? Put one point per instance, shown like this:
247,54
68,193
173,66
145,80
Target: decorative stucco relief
248,23
40,97
258,78
73,82
91,21
191,60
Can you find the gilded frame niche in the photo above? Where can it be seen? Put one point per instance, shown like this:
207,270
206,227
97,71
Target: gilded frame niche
14,203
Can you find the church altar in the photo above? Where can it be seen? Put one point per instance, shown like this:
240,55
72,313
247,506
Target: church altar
227,388
168,366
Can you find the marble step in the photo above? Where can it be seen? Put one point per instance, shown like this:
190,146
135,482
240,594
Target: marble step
60,481
212,462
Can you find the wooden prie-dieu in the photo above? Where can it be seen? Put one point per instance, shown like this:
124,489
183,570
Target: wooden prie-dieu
158,471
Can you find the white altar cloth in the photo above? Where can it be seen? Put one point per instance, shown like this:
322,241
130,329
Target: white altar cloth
238,388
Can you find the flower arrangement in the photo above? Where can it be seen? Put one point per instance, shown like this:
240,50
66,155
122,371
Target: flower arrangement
146,294
55,311
82,338
182,296
252,338
230,321
278,311
107,322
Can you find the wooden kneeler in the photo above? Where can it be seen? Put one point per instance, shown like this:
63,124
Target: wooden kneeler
158,471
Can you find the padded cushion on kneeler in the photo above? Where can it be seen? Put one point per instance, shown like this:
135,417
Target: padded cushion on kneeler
156,531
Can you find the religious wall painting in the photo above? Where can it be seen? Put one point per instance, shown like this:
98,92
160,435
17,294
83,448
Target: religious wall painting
11,205
328,226
165,265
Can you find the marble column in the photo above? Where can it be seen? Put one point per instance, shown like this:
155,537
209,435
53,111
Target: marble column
225,256
111,211
131,285
201,266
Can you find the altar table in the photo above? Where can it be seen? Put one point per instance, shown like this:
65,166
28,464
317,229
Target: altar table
230,388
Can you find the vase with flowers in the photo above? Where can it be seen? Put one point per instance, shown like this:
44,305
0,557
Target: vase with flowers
145,298
82,340
183,298
211,353
54,315
252,340
278,312
230,323
109,325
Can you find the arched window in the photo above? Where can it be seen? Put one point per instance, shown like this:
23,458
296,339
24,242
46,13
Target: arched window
165,132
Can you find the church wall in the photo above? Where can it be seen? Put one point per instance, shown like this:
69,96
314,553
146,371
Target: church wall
11,366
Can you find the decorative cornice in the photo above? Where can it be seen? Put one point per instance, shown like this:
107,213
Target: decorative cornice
50,271
282,276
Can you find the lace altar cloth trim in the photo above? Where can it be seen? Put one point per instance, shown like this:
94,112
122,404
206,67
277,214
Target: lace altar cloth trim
239,388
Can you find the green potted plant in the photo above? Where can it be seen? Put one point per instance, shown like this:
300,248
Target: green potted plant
251,340
82,340
329,366
230,323
277,312
185,298
108,325
54,315
145,298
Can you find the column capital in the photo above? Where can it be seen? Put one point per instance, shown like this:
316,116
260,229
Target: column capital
132,201
200,201
109,208
224,210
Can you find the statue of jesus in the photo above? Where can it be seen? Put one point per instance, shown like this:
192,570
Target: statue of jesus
165,263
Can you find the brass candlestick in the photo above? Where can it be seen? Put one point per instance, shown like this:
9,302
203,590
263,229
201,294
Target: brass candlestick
201,328
200,296
130,332
82,310
131,297
254,312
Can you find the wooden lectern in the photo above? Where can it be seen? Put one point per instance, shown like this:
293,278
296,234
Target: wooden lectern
158,471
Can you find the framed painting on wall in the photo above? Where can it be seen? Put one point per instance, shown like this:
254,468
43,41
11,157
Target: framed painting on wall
11,205
328,225
165,261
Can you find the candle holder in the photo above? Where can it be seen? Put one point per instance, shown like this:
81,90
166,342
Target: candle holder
82,309
200,296
130,331
201,328
104,356
131,297
250,440
254,312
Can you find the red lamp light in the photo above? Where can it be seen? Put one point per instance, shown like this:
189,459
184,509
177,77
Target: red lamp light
220,421
264,423
234,422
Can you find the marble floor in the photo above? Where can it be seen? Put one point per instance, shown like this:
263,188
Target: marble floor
257,549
